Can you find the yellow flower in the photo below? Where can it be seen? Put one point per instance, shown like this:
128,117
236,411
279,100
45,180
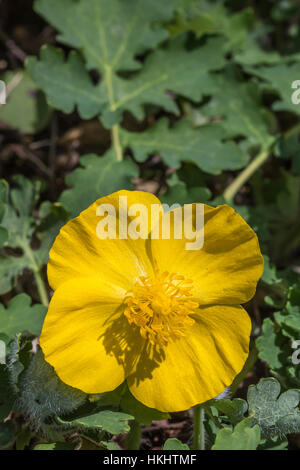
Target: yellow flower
166,319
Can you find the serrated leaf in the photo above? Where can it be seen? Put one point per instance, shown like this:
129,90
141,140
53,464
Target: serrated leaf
252,54
179,193
273,413
101,175
111,421
20,316
175,444
212,18
66,83
170,69
205,146
269,345
280,77
235,409
18,221
111,32
243,437
239,104
35,112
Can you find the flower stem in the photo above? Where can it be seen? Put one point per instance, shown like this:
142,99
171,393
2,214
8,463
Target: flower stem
116,142
36,272
134,436
115,129
199,431
241,179
41,288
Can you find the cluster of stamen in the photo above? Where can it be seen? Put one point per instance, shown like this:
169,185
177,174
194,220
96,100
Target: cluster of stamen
161,307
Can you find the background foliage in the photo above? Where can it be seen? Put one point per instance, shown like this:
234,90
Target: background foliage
190,100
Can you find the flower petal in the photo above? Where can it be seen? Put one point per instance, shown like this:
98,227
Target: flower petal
79,252
199,366
86,337
228,266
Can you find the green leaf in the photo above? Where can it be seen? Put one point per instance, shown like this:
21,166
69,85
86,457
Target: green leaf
66,84
179,193
110,36
211,18
234,409
279,78
111,32
275,343
243,437
43,395
17,207
175,444
110,445
251,54
269,345
205,146
56,446
141,413
273,413
35,113
239,104
166,70
110,421
101,175
163,70
21,316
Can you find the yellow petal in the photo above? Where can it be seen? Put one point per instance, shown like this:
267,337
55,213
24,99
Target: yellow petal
79,252
228,266
197,367
86,337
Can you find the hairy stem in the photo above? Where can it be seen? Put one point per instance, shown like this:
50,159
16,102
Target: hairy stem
133,440
241,179
199,431
41,288
116,142
115,129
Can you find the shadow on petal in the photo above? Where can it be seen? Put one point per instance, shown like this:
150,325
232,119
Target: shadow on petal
137,355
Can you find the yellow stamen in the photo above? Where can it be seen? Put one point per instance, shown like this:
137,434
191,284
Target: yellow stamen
161,307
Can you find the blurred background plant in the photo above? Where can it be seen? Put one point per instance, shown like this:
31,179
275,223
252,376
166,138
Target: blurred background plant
190,100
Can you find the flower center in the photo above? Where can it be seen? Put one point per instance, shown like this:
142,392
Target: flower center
161,307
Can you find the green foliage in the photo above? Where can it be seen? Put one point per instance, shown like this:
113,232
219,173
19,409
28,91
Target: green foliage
110,421
18,222
141,413
175,444
275,415
101,176
35,112
208,147
21,316
42,395
243,437
233,409
277,345
189,91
